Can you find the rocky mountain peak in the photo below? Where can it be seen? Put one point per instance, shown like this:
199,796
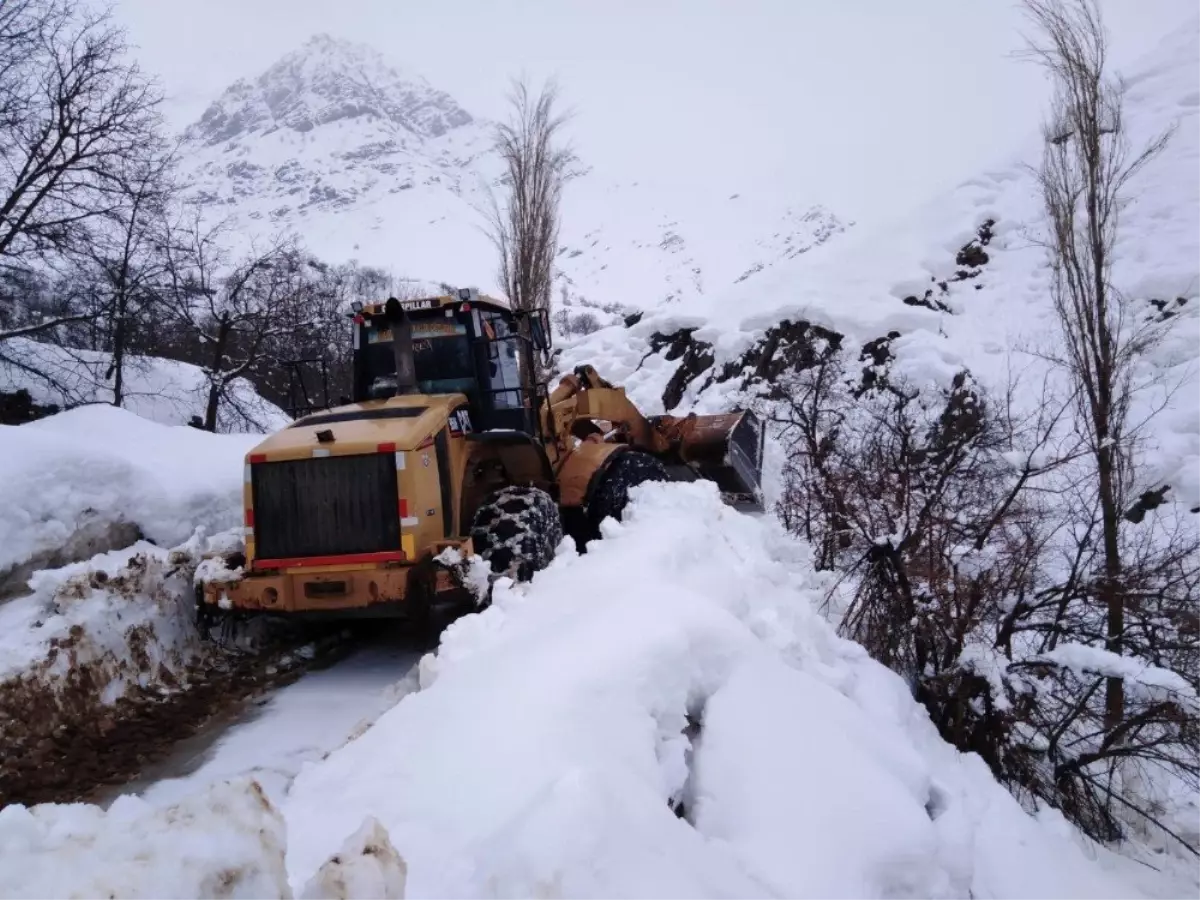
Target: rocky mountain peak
366,160
327,80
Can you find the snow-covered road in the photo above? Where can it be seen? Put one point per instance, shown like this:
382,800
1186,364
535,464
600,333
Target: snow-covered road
273,737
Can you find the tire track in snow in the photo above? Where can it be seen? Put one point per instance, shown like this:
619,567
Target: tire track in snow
274,735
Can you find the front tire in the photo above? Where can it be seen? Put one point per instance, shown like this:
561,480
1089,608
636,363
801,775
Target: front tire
517,530
610,496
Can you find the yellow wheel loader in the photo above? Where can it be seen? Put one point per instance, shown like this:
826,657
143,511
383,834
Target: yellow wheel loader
450,444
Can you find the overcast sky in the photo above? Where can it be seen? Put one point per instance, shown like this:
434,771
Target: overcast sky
867,105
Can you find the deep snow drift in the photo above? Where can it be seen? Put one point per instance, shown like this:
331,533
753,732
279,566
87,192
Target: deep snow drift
555,730
558,733
70,479
227,842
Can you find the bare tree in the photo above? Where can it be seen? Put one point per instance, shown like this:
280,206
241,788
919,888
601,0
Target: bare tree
125,259
21,24
73,111
1084,178
525,227
227,317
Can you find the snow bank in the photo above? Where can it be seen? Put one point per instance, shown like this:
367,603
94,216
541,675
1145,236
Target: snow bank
226,842
67,480
865,825
95,645
92,607
700,731
557,732
367,865
162,390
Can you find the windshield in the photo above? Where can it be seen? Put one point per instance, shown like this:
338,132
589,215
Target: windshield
443,365
441,356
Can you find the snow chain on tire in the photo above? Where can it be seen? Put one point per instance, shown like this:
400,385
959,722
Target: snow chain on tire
517,530
627,470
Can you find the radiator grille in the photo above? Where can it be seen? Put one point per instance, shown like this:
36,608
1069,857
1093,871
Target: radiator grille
325,506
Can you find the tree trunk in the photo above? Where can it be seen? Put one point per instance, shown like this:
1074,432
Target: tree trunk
215,384
118,350
1111,593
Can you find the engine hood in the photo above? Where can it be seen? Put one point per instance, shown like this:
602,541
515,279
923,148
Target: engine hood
405,422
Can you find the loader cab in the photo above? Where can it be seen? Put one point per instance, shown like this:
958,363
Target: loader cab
461,343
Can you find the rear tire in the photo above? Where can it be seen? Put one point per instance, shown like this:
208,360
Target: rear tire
610,496
517,531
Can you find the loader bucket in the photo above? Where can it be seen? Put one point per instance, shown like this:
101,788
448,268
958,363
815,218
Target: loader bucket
727,449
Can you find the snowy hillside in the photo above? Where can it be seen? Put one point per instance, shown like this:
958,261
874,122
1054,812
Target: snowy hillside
368,162
957,283
962,286
161,390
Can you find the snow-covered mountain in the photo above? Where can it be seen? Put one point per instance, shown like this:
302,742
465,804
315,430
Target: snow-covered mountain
366,161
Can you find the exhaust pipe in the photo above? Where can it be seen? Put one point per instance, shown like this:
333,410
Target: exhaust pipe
402,346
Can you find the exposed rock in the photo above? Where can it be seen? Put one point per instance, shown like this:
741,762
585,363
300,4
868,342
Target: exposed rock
1166,309
960,421
676,342
972,257
928,301
17,408
753,270
787,347
695,358
972,253
877,354
1150,500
